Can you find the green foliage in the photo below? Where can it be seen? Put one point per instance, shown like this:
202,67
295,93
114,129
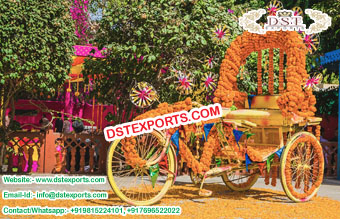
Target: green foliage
166,34
330,37
163,31
248,82
332,78
36,39
327,101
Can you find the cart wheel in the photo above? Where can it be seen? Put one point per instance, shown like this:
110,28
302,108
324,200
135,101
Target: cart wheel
196,179
134,185
302,166
240,180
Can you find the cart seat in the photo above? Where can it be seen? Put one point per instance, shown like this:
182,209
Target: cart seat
259,117
262,102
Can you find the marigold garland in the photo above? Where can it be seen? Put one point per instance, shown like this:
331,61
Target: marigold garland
131,154
238,149
293,99
281,77
310,129
129,144
208,149
271,72
259,72
317,132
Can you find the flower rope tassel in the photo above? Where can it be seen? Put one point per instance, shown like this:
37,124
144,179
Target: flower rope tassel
271,72
259,72
281,77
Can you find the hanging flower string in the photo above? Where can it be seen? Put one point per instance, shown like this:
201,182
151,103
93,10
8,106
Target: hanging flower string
79,13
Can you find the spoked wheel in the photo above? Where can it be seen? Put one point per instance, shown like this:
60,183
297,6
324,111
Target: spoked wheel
142,185
302,165
240,180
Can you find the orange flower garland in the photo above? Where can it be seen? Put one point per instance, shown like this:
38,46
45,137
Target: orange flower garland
131,154
294,99
129,144
253,153
238,149
281,77
208,149
259,72
310,129
317,132
271,72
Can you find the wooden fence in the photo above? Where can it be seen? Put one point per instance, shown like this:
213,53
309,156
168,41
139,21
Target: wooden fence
36,152
85,153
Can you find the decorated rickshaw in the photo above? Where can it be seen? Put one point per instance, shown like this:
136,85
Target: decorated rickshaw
257,134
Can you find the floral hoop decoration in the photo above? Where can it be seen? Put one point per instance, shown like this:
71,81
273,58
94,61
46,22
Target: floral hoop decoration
313,81
211,61
311,42
143,95
184,82
220,34
209,81
297,11
273,7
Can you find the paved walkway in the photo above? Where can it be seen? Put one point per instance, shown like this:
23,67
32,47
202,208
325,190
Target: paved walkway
330,187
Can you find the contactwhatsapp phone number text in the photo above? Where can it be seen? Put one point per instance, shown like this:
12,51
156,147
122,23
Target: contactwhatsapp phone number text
148,210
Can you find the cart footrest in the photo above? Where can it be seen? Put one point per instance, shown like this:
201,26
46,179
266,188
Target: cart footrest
217,171
204,192
212,172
